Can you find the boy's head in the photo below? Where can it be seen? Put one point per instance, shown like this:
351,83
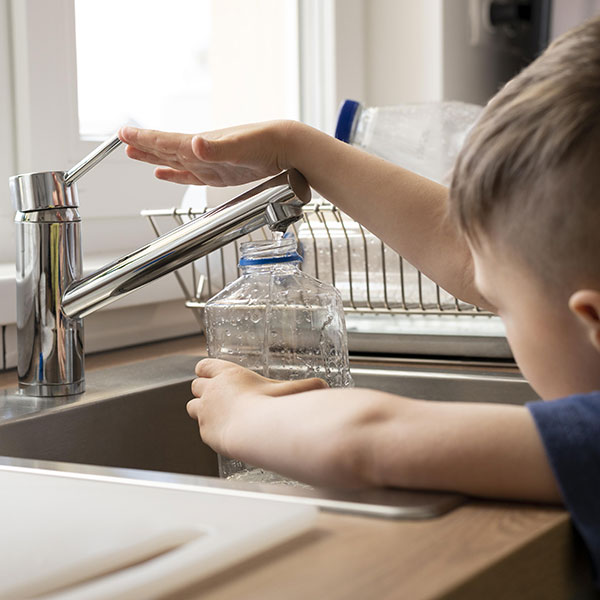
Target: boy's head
526,191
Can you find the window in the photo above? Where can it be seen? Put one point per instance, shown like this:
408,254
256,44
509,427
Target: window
250,42
76,69
155,72
72,70
81,67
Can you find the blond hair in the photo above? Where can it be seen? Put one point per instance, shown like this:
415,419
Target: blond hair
528,175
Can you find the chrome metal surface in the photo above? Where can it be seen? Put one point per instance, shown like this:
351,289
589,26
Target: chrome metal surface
446,383
40,191
275,203
92,159
383,503
447,341
51,296
50,344
134,417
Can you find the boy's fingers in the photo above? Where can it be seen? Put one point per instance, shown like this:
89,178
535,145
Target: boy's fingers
220,149
126,134
153,159
193,407
177,176
204,149
210,367
198,387
154,141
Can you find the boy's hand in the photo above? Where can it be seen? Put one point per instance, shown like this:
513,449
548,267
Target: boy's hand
224,157
229,396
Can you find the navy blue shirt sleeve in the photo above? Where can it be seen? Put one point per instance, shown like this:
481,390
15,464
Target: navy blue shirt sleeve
570,431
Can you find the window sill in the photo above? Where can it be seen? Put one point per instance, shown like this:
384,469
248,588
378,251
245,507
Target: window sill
161,290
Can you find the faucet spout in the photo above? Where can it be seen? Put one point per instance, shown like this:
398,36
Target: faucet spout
275,203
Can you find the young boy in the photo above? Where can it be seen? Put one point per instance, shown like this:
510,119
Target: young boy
521,238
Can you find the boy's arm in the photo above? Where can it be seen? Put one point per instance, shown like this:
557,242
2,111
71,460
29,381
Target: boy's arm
360,438
406,211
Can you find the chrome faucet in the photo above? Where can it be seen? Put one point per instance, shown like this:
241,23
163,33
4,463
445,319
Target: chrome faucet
52,297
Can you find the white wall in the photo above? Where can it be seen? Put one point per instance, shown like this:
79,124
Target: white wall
569,13
403,51
7,167
351,48
250,75
476,61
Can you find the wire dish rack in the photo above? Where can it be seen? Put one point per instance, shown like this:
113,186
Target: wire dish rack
383,294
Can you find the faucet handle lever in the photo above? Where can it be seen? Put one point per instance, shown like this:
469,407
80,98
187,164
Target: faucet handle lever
92,159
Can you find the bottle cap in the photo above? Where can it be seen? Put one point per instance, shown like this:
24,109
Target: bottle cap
248,262
270,251
346,120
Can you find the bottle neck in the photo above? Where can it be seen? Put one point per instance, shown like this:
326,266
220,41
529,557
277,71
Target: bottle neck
279,254
361,132
270,267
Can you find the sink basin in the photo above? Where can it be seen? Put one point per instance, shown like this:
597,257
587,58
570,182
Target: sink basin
133,417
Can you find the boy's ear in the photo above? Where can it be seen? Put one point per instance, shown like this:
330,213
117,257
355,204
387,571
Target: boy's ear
585,305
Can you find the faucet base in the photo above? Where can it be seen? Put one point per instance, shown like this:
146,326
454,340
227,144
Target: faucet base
45,390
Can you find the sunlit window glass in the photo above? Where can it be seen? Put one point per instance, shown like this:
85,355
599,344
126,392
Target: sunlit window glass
184,65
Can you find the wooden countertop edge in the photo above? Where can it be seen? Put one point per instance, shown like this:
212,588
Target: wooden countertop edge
545,564
408,563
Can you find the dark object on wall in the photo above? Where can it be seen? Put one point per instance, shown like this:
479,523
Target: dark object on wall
485,44
524,23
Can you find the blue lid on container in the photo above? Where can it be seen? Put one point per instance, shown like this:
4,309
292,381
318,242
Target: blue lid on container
249,262
345,122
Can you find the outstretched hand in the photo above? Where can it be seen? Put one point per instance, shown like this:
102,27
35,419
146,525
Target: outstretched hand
224,157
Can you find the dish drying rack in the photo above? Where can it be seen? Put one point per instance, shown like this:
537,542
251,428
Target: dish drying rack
390,306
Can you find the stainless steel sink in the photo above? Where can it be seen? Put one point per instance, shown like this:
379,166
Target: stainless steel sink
133,417
445,381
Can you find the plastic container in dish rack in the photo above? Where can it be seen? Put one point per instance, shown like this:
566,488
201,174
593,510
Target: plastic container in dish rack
280,323
423,137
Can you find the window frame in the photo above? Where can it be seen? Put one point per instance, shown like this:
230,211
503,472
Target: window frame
7,147
7,168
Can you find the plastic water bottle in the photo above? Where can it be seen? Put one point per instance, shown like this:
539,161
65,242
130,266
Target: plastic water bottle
423,137
280,323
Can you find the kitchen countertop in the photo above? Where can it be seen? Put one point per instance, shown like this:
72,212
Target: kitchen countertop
481,549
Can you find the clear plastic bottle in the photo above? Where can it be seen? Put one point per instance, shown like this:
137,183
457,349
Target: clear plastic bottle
280,323
422,137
